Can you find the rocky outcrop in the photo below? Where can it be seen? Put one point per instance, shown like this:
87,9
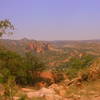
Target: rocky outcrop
47,75
47,94
40,47
54,92
25,44
37,47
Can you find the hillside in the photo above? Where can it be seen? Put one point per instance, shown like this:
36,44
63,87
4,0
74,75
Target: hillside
25,45
49,70
57,52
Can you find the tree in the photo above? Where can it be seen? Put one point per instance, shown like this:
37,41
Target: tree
9,87
34,63
5,27
34,66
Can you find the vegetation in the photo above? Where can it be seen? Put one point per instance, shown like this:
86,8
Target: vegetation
22,68
5,25
18,69
75,65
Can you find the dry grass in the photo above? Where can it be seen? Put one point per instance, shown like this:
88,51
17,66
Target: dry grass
89,90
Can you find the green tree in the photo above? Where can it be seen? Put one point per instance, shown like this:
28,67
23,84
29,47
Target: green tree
75,65
5,27
34,66
10,88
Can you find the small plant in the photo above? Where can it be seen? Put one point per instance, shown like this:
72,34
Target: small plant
10,90
23,97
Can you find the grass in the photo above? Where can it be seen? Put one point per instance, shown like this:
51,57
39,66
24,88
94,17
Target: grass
88,90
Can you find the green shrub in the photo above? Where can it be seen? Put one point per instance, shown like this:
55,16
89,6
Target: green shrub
24,69
75,65
23,97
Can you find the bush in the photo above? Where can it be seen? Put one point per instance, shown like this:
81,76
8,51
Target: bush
23,97
24,69
75,65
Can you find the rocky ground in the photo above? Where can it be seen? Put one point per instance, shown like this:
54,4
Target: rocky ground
89,91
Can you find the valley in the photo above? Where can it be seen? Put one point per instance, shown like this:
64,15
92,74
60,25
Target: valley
50,70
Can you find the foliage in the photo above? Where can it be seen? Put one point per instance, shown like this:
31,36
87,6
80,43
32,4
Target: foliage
23,97
24,69
34,63
75,65
92,73
10,90
5,25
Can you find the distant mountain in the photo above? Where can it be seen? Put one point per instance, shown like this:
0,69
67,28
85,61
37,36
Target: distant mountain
25,45
72,42
53,52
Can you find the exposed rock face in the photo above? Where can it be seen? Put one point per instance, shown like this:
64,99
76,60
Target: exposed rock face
24,45
47,94
61,90
49,46
40,47
36,47
47,74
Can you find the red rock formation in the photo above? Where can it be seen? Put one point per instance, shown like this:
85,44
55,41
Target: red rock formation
47,75
40,47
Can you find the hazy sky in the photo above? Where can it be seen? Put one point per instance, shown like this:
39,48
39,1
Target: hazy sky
53,19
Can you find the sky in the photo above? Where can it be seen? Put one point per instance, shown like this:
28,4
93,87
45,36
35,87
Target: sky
53,19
